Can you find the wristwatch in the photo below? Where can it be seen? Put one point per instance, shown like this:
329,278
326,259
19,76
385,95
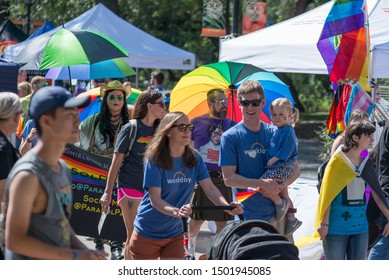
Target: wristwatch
29,140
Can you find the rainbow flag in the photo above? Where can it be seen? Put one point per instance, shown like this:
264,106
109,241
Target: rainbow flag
242,196
335,121
343,42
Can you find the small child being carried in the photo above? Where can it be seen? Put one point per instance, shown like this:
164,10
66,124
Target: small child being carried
283,155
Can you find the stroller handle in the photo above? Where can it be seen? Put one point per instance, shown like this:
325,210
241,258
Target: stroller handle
212,208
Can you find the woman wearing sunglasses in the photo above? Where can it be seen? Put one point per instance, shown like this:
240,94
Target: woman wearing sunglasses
98,134
127,162
171,170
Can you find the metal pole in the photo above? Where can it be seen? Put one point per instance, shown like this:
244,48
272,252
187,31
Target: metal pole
235,18
28,19
136,77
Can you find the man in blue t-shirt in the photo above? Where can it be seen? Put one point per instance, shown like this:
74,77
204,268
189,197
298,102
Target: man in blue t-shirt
243,156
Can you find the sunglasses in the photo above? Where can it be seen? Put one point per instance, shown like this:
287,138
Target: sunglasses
160,103
246,103
222,102
113,97
42,85
183,127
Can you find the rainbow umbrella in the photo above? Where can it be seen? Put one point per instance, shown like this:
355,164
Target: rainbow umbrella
190,93
112,68
95,105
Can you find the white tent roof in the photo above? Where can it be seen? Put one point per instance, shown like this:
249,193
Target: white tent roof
290,46
145,50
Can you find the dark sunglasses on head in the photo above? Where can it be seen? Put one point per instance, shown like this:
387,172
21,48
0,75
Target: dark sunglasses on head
160,103
246,103
222,102
183,127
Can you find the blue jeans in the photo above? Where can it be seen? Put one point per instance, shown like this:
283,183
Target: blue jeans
350,247
380,251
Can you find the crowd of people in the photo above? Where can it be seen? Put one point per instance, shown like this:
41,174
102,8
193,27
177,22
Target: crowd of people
164,163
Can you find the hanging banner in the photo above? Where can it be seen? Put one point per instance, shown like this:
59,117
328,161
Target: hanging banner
214,24
89,175
254,16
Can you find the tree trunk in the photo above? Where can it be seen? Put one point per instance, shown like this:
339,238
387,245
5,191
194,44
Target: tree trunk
113,5
301,6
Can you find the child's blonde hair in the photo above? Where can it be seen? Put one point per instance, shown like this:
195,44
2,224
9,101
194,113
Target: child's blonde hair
286,104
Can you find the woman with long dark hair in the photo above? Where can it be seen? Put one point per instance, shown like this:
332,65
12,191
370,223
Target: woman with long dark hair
127,161
98,134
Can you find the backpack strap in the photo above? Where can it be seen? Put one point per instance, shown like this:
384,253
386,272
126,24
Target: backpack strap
132,134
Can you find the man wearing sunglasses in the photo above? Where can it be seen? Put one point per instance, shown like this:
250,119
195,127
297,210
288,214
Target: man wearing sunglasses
244,156
206,136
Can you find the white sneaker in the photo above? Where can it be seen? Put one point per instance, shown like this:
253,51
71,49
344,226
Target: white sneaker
282,209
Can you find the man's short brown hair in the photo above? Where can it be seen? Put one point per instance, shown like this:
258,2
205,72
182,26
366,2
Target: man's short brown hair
249,87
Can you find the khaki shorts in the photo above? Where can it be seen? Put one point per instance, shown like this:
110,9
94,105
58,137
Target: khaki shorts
142,248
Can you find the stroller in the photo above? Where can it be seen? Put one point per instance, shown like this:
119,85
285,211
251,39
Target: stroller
247,240
251,240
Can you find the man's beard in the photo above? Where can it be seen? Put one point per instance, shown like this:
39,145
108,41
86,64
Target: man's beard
222,114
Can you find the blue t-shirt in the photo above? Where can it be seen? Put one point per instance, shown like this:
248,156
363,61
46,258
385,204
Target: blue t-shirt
348,210
247,150
284,145
176,189
27,129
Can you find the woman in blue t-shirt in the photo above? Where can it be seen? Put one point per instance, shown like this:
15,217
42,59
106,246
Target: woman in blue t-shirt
171,170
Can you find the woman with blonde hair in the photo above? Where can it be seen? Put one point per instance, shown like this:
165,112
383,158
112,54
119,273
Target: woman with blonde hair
127,161
172,169
24,89
10,110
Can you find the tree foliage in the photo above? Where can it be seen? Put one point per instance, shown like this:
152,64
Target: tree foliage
179,23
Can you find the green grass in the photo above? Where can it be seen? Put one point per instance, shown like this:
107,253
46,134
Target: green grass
317,116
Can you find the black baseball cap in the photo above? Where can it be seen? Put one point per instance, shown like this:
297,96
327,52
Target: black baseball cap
53,97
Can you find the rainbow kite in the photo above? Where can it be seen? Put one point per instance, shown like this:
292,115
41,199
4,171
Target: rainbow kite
343,42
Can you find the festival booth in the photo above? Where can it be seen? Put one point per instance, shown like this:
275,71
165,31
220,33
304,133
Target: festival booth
380,55
145,50
291,46
8,76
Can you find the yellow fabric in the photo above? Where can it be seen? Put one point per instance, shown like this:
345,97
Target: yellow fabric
338,173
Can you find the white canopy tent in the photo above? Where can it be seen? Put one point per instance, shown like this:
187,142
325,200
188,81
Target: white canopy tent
290,46
145,50
380,61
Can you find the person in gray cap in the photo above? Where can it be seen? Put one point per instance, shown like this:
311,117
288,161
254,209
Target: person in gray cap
38,190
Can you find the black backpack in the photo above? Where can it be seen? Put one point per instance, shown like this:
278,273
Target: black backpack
251,240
